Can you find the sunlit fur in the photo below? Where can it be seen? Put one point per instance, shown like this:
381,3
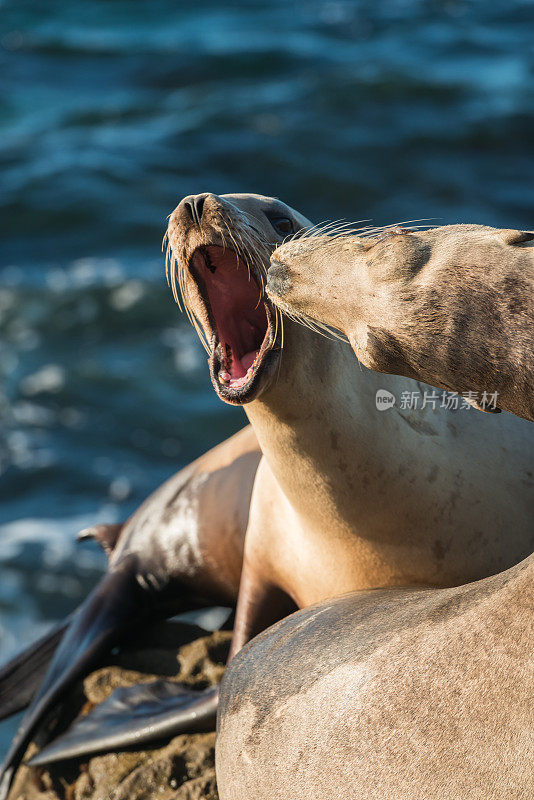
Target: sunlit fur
405,297
324,234
238,235
254,251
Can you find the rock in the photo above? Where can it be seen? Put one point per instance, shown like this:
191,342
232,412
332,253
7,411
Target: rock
182,769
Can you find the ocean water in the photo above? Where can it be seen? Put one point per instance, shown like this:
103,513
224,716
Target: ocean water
110,112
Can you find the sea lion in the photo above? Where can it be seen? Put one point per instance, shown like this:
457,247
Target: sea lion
92,739
387,695
424,304
182,549
345,497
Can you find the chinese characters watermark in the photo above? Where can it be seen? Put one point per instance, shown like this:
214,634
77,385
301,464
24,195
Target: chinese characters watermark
452,401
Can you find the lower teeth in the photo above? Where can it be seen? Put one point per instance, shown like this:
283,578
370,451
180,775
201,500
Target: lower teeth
225,377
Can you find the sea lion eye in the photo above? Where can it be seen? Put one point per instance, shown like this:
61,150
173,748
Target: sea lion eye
282,225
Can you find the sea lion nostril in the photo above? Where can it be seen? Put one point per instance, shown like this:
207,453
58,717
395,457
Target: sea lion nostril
195,207
198,204
189,208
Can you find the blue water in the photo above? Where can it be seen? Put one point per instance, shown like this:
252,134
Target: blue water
110,112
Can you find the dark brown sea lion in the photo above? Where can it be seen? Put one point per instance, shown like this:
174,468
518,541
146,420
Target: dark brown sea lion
182,549
345,497
452,306
387,695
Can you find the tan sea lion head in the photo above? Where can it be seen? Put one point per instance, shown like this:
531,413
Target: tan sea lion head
217,258
339,279
452,306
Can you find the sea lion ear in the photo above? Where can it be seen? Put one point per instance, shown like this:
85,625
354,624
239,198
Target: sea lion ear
516,237
105,535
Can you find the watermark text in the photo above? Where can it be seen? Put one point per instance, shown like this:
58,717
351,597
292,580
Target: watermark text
453,401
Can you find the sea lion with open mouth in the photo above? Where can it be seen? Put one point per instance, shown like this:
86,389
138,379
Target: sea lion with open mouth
345,497
157,547
424,304
221,272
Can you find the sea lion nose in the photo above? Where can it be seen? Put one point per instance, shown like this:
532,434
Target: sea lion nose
278,279
195,206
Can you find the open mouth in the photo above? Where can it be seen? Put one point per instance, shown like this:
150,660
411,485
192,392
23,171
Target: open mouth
240,319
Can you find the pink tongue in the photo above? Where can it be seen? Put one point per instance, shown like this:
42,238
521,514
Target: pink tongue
246,364
248,359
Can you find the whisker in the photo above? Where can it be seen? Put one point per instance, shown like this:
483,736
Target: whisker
321,227
249,246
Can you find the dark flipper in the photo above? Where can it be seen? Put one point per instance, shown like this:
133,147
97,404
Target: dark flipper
149,712
115,605
21,677
134,715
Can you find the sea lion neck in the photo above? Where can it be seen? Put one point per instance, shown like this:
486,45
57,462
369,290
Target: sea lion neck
317,427
338,461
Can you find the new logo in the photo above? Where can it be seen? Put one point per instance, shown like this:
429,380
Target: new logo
384,399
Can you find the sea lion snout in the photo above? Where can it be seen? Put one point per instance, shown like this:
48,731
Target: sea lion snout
217,258
194,205
296,277
288,272
197,210
278,278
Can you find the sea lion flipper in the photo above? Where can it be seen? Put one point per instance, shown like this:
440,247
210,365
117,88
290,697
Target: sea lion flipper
116,604
20,678
135,715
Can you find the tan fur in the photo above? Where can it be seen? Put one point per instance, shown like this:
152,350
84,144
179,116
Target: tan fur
452,306
347,497
388,695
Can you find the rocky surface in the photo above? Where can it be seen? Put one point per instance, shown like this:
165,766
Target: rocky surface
182,769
